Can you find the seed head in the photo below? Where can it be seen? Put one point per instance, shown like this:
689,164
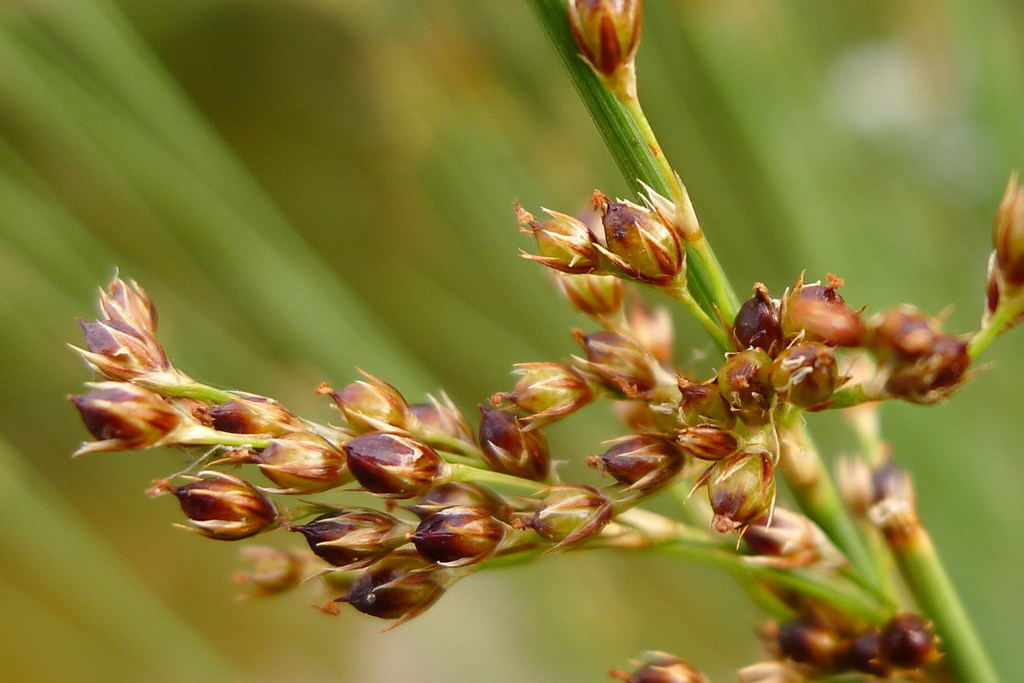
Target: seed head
616,362
398,587
789,540
642,462
461,494
707,441
303,462
440,421
704,402
818,312
458,536
508,447
639,242
125,417
607,33
864,654
810,643
370,405
908,642
571,513
254,415
590,294
661,667
393,465
547,391
565,243
757,323
354,537
806,374
222,506
1008,235
745,382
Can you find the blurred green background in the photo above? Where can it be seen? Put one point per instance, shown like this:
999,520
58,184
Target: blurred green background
308,186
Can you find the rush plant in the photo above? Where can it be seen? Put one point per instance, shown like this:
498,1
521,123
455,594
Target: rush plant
832,550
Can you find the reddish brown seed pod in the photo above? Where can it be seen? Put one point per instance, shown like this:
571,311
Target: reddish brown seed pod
392,465
757,323
458,536
640,461
354,537
506,446
222,506
397,587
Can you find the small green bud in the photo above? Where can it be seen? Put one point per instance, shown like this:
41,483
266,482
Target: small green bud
741,489
547,391
590,294
639,242
1008,235
616,362
254,415
461,494
370,405
607,32
704,402
708,441
806,374
565,243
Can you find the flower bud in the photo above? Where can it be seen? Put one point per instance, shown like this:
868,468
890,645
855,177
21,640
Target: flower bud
757,323
641,462
902,331
440,422
741,489
564,242
125,417
506,447
908,642
1008,235
547,391
708,441
354,537
303,462
806,642
745,382
864,654
571,513
397,587
593,295
639,242
271,570
818,313
702,401
222,506
618,363
392,465
789,540
457,536
254,415
607,32
806,374
370,405
662,667
461,494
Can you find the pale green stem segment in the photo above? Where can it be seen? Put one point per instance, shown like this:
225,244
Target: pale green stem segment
462,472
1002,319
927,579
681,293
633,150
195,390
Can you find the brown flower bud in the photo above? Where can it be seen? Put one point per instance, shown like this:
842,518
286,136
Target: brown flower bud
607,32
254,415
757,323
702,401
662,667
618,363
354,537
908,642
571,513
902,331
806,374
864,654
548,391
642,462
303,462
271,570
397,587
507,447
639,242
745,382
370,405
741,489
461,494
565,243
440,422
810,643
393,465
708,441
125,417
590,294
818,312
222,506
1008,235
789,540
458,536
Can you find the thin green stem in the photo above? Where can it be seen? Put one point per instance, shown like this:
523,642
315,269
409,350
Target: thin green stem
201,392
927,579
1001,320
682,294
461,472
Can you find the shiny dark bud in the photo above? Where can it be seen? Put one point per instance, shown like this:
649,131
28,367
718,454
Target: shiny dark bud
757,323
741,488
806,374
707,441
392,465
641,462
818,313
461,494
222,506
125,417
594,295
745,382
254,415
352,538
908,642
704,402
571,513
397,587
618,363
303,462
864,654
458,536
810,643
507,447
370,405
639,242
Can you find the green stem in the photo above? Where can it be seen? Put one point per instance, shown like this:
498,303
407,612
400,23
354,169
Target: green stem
1005,315
201,392
927,579
682,294
461,472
